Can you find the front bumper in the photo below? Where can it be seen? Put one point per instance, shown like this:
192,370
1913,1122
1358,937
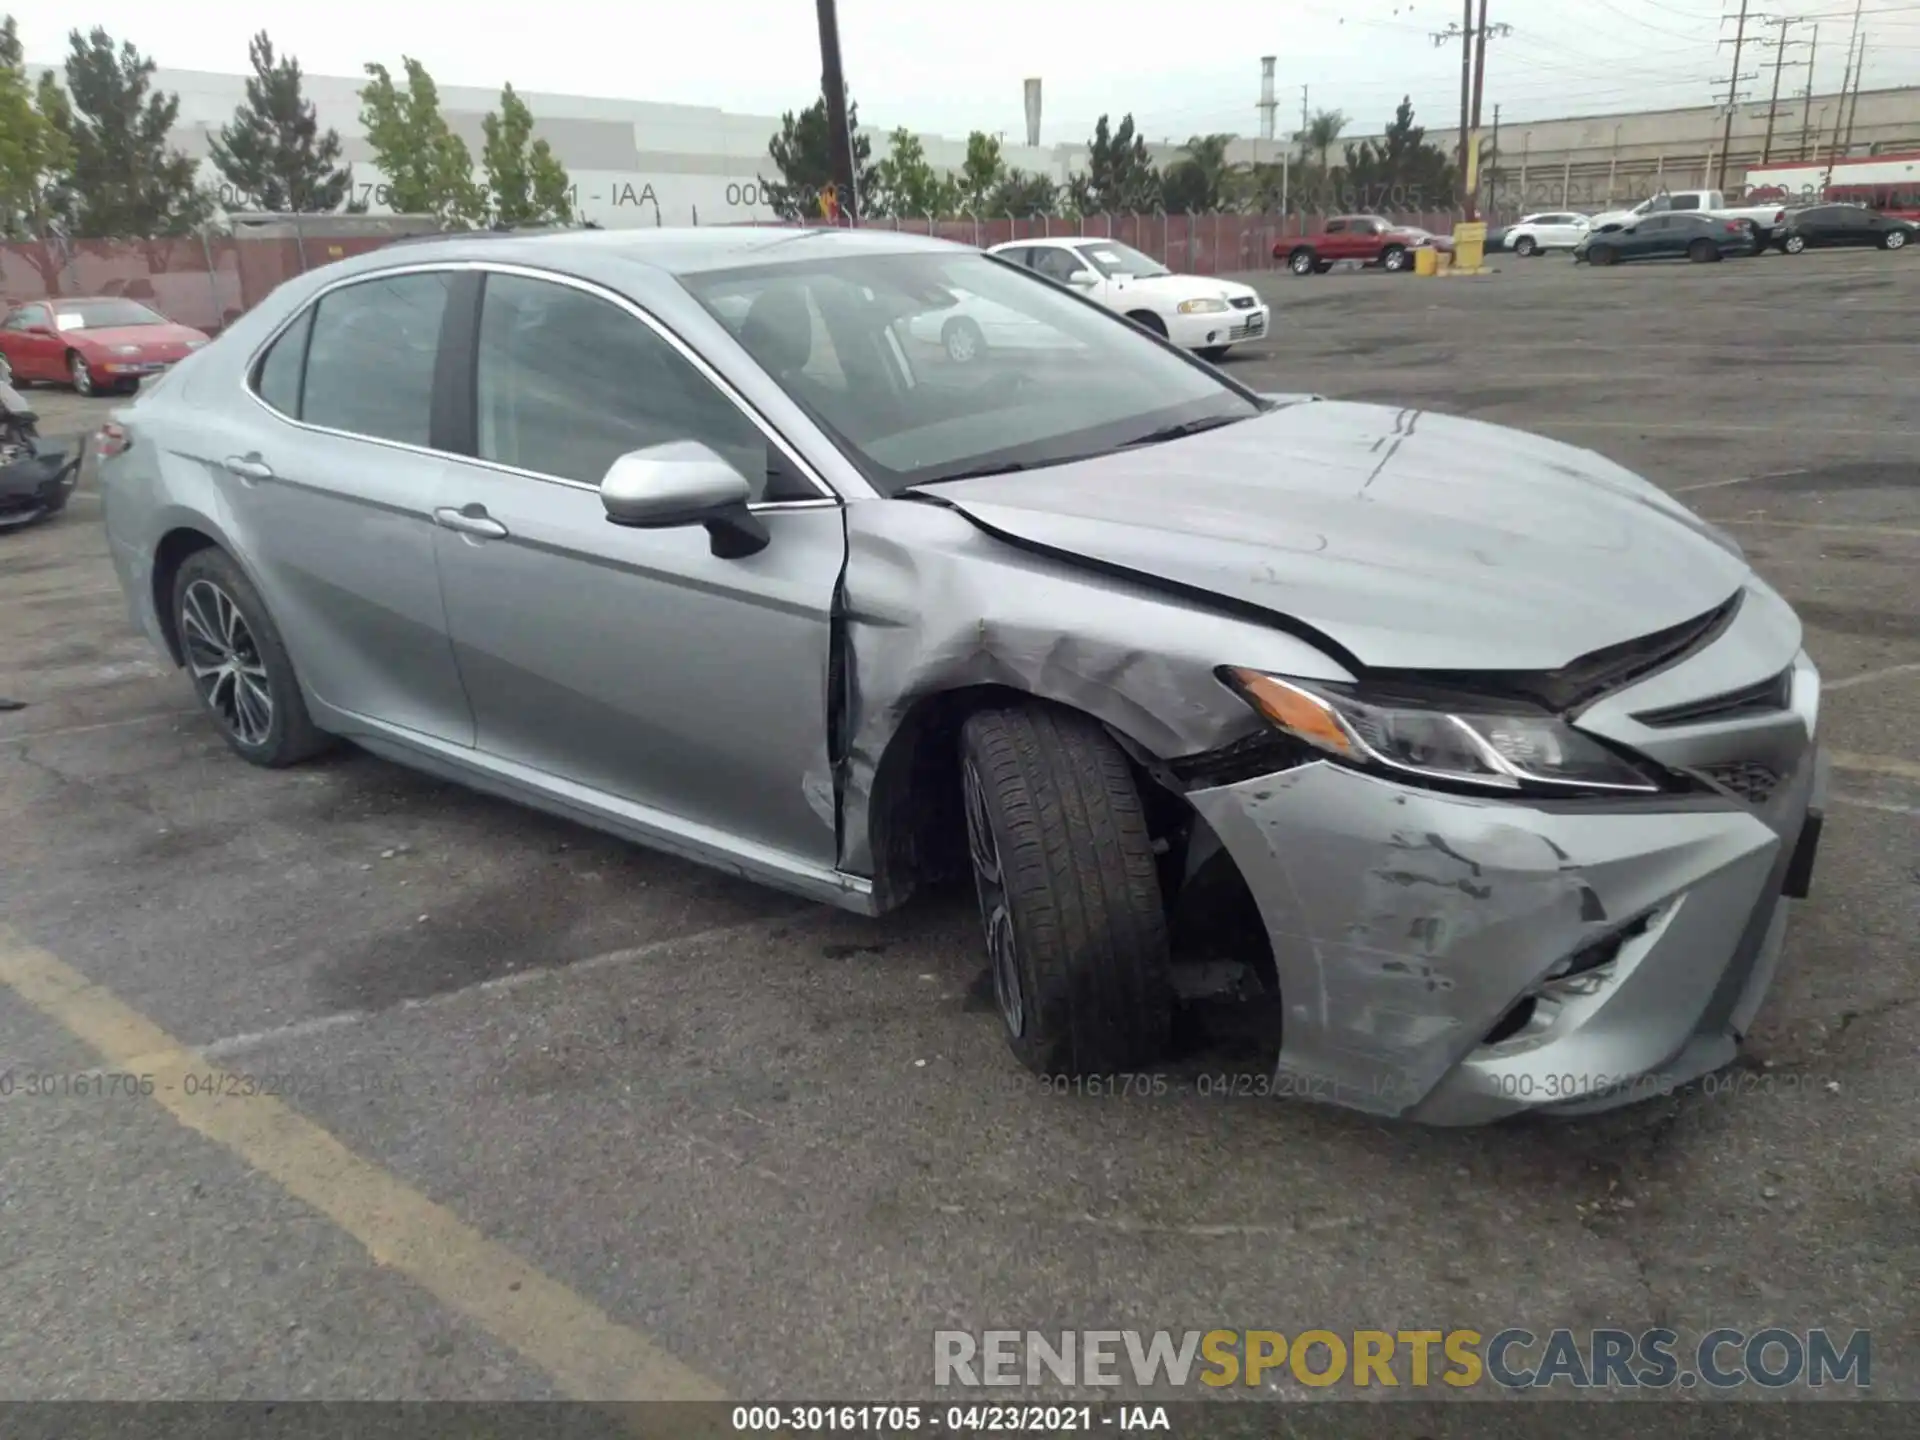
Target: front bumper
1229,327
1407,925
34,489
1455,959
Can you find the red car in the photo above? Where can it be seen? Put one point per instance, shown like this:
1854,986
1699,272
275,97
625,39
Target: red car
96,346
1366,238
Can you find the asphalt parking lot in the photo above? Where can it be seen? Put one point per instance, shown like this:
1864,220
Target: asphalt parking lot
566,1117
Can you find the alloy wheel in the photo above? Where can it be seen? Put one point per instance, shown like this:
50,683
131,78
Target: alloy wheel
1524,246
963,345
995,916
225,662
1795,244
82,376
1896,238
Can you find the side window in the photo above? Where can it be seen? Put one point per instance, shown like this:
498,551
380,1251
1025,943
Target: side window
28,315
277,380
1021,255
371,355
1336,227
1686,202
566,383
1058,264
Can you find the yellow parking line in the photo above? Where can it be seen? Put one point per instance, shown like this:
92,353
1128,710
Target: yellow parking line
590,1355
1875,764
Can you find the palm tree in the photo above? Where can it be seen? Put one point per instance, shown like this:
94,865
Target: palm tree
1322,132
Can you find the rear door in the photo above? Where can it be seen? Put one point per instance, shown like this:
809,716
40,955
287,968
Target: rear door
636,663
330,484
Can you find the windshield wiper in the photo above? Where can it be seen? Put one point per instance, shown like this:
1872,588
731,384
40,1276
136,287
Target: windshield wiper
980,472
1183,429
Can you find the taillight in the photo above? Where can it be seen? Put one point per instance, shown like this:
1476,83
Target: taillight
110,440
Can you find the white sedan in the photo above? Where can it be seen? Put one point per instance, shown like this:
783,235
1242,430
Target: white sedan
1196,312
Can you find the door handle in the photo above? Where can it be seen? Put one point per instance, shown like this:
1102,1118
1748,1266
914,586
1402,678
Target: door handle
470,520
248,467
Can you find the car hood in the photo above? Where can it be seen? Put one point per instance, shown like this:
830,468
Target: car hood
147,337
1176,288
1412,539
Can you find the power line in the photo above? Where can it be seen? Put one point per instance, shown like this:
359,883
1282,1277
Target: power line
1780,45
1733,93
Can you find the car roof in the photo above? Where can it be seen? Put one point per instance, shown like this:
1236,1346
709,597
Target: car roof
679,250
1057,240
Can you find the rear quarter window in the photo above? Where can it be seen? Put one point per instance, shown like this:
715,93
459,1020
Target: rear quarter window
277,377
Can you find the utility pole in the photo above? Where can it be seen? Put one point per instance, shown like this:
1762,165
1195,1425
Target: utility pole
1466,104
1859,73
1493,192
1781,44
833,90
1856,52
1846,85
1473,73
1303,113
1733,94
1806,114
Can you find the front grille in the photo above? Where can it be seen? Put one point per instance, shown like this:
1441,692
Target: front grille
1242,302
1750,780
1767,697
1248,329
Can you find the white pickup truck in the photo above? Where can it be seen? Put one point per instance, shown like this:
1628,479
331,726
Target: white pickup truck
1765,219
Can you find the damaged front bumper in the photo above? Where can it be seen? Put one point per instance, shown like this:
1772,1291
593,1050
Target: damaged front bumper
1455,960
39,486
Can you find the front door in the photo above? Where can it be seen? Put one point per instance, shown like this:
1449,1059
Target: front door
33,347
635,662
330,492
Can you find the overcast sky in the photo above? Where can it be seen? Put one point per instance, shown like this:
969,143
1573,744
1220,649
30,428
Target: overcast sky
1181,66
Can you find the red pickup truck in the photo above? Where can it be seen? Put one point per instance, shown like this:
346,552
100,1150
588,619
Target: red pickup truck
1366,238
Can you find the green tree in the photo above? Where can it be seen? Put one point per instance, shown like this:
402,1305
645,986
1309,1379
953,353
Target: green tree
906,185
33,145
274,153
126,179
1403,171
525,181
428,168
982,171
805,161
1119,174
1023,194
1200,180
1323,133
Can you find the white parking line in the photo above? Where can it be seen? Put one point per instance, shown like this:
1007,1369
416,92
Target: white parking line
1736,480
88,729
1884,806
1871,677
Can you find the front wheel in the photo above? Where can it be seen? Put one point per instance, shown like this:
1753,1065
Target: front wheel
1703,252
1213,354
1794,244
1393,259
1147,320
78,372
1893,240
1069,891
1526,245
1303,261
1602,255
239,666
963,341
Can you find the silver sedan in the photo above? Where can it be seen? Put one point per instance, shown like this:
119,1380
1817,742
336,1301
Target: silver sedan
1487,759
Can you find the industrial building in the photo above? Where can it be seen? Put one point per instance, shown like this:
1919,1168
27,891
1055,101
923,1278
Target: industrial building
637,163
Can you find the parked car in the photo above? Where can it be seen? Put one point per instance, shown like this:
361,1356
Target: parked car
1549,230
971,326
1368,239
102,344
1827,225
1668,237
1765,218
1195,312
36,476
1125,642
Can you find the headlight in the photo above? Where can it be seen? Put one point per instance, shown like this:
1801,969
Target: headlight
195,344
1490,749
1202,307
126,349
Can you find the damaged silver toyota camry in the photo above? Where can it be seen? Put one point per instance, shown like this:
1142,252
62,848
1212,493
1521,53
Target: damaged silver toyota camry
1495,764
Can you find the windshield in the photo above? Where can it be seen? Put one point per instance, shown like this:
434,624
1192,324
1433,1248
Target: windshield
934,365
1111,258
104,314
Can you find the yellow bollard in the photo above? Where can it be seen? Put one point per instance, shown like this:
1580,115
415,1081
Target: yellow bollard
1469,247
1426,261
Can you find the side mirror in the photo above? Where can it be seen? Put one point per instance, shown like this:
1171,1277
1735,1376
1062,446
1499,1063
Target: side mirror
684,482
1083,277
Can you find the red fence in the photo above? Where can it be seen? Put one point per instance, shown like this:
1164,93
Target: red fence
205,281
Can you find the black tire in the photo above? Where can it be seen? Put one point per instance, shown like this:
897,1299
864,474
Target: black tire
1525,246
1075,927
1894,240
1213,354
1304,261
1147,320
962,340
79,375
290,735
1794,244
1602,255
1703,252
1394,259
